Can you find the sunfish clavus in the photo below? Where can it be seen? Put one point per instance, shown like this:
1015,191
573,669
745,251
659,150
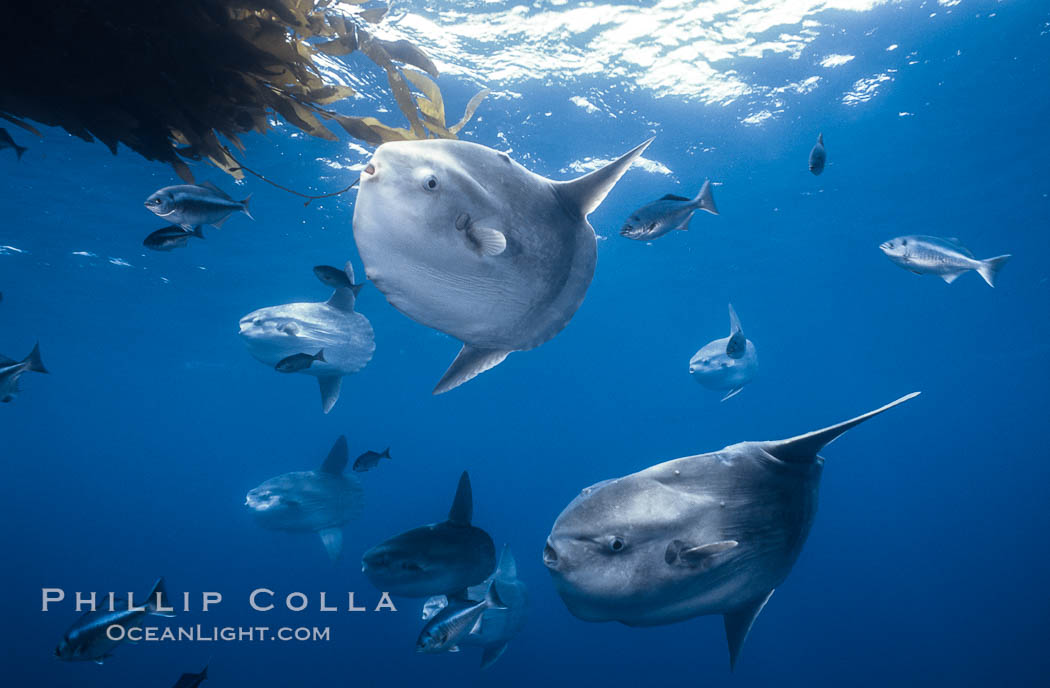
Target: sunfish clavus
708,534
462,239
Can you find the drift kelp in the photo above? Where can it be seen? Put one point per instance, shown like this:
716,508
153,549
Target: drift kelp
120,73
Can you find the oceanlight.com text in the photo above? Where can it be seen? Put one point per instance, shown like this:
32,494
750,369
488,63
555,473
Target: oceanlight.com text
206,634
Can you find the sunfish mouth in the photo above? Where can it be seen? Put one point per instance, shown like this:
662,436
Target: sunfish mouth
370,169
550,556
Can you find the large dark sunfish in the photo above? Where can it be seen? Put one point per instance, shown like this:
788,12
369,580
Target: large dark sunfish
462,239
321,501
438,559
707,534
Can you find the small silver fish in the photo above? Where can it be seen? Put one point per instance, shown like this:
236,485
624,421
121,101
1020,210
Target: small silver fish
11,371
7,142
88,639
946,257
189,205
336,278
298,362
671,212
370,460
171,237
818,156
444,631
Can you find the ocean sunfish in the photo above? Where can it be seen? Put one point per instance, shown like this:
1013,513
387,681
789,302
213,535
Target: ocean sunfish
708,534
464,240
277,333
728,363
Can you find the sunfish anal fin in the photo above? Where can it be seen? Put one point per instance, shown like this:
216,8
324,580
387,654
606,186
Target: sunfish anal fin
330,387
333,541
343,299
491,654
468,364
739,622
733,392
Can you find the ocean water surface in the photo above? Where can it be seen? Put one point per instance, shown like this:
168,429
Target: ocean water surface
928,559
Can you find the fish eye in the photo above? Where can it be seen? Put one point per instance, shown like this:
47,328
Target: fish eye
616,543
430,183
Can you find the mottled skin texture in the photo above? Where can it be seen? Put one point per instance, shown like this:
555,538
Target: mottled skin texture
436,559
740,493
714,369
426,267
306,501
275,333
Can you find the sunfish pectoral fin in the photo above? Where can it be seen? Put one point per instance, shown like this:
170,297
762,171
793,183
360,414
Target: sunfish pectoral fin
990,267
705,200
462,510
583,195
469,364
681,553
330,386
490,654
738,624
732,393
333,541
337,458
805,447
487,242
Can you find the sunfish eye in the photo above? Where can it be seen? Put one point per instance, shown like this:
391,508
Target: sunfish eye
904,242
616,543
430,183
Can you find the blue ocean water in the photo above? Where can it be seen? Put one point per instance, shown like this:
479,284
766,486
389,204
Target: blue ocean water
928,559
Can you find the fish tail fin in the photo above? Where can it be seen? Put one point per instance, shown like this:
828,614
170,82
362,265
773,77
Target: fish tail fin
492,598
356,288
33,360
19,150
244,207
204,673
386,454
319,356
990,267
705,200
158,597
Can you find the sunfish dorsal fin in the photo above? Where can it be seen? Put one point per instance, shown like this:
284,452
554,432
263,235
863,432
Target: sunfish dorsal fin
507,568
738,624
337,458
469,363
736,347
584,194
343,299
820,138
463,504
804,448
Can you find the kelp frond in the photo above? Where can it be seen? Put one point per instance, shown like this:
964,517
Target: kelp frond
167,79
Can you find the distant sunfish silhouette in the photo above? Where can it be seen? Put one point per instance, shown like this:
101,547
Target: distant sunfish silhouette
276,333
438,559
707,534
462,239
728,363
321,501
818,156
